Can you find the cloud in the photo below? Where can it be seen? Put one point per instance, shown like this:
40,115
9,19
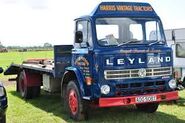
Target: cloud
10,1
37,4
33,22
34,4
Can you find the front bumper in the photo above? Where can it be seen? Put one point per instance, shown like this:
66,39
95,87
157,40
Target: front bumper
131,100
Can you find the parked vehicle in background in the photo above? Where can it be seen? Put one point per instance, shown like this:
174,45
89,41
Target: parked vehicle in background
119,58
3,102
176,40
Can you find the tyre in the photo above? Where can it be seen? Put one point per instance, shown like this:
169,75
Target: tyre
3,118
76,107
17,83
64,99
148,108
25,92
35,91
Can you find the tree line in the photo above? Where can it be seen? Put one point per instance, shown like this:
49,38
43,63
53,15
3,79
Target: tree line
46,46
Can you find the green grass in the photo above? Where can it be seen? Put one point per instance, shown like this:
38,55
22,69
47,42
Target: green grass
48,108
45,109
18,57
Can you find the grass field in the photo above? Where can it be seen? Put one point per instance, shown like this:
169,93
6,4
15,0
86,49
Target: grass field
17,57
48,108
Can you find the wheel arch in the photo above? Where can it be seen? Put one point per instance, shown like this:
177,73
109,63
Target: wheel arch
72,73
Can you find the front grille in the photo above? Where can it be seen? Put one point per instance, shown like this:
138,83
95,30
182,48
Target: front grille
137,88
134,73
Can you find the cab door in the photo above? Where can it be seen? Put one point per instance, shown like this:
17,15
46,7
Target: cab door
83,47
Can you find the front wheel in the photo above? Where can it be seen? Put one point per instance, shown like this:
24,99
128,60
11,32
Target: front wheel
148,107
75,104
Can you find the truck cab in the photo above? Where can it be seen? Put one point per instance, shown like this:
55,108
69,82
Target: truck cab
119,58
121,50
121,53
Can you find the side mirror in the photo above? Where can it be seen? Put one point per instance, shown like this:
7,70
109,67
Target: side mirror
78,37
1,69
173,35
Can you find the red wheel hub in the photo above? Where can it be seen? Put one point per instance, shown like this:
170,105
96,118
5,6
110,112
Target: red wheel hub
73,101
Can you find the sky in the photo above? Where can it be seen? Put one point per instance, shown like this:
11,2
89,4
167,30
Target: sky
34,22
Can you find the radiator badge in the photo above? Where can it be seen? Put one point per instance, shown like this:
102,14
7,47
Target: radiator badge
142,72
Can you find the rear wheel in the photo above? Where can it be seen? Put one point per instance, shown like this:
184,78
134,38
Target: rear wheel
148,108
26,92
76,107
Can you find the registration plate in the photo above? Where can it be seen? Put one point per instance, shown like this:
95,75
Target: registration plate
146,99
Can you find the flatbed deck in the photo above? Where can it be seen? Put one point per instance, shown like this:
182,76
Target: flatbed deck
14,68
54,67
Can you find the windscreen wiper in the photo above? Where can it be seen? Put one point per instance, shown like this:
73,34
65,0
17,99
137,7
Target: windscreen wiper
155,42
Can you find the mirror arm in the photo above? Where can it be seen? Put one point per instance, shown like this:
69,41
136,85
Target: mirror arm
173,35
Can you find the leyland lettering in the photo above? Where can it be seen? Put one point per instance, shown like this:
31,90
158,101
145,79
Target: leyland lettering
151,60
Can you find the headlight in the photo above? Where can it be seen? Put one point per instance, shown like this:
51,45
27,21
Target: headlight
2,93
172,83
105,89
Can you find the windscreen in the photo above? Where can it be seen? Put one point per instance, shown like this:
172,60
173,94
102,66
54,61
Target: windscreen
120,31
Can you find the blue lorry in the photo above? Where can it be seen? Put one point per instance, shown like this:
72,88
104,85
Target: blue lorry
3,101
119,58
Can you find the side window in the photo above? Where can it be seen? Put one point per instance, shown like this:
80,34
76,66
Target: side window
90,35
85,27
